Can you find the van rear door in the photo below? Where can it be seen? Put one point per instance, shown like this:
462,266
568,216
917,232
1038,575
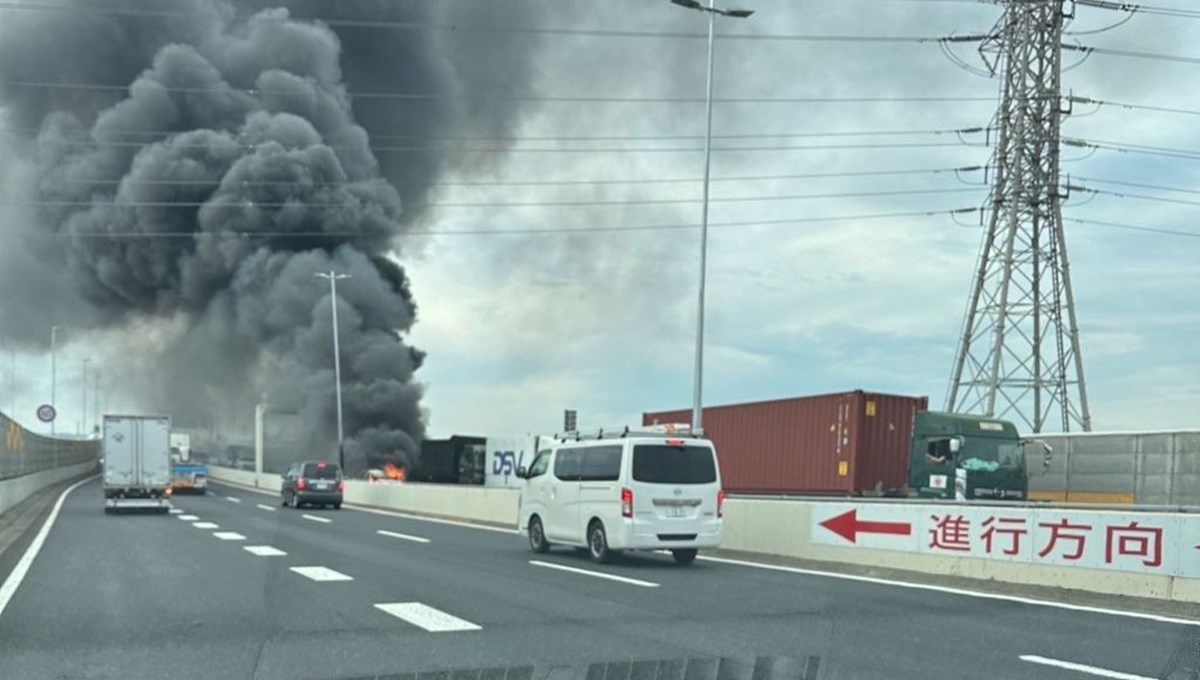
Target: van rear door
674,484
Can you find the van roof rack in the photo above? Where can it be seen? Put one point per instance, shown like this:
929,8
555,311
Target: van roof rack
670,430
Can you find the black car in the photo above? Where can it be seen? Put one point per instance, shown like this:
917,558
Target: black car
314,482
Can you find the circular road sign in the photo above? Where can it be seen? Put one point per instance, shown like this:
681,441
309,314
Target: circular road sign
46,413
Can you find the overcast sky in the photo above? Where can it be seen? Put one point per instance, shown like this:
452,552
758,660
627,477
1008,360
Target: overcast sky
519,327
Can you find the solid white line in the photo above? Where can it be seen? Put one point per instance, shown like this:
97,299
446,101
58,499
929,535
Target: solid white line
205,525
321,574
263,550
414,539
597,574
956,591
268,508
317,519
229,536
17,575
232,499
175,511
434,520
1082,668
188,518
390,513
424,616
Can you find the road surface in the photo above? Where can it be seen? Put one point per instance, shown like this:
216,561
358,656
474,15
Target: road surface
236,586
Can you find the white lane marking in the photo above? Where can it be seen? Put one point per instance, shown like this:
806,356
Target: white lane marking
268,508
175,511
229,536
205,525
955,591
1082,668
321,574
317,519
597,574
264,550
434,520
17,575
424,616
392,513
406,537
231,499
188,518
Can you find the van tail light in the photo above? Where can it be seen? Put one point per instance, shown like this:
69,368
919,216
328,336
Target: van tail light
301,484
721,503
626,502
341,485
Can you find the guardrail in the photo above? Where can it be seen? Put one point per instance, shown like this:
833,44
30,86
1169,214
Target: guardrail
1125,507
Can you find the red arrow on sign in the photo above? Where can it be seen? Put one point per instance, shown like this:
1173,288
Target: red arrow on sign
848,526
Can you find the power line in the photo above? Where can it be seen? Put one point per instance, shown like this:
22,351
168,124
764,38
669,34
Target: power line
419,96
496,232
548,150
243,204
1137,8
1121,194
1142,107
1131,227
1132,54
539,183
1167,152
1139,185
160,135
466,28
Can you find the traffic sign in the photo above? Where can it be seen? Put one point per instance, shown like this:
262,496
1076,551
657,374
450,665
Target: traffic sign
46,413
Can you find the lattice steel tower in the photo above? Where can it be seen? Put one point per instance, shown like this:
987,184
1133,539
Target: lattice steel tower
1018,355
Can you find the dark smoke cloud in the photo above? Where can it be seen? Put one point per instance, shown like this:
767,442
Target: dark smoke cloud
238,134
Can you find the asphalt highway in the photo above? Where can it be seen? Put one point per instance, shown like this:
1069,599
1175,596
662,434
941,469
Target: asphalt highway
233,585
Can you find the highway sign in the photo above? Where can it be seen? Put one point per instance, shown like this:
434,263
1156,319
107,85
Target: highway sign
46,413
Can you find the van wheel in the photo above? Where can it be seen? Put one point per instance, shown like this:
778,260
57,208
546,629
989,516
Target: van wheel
684,555
598,543
537,536
337,506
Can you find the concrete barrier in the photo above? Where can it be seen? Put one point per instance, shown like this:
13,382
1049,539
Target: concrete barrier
17,489
767,527
496,506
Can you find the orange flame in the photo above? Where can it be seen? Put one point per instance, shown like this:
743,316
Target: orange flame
392,471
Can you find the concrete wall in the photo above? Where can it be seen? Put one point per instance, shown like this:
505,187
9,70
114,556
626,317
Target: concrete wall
769,527
454,501
17,489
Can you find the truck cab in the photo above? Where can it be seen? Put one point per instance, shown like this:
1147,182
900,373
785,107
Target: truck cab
965,457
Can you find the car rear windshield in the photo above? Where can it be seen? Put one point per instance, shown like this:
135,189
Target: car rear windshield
319,471
662,464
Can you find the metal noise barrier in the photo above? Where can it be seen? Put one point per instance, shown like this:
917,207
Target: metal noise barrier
23,452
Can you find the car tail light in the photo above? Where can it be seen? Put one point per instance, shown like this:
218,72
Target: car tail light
301,484
341,485
626,502
721,503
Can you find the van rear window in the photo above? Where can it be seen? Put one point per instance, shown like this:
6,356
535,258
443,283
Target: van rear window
326,471
661,464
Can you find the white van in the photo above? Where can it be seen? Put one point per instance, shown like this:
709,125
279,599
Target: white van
629,492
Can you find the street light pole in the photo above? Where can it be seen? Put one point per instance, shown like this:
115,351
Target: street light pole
83,411
698,372
53,373
333,277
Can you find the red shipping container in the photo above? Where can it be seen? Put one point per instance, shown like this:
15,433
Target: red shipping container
846,443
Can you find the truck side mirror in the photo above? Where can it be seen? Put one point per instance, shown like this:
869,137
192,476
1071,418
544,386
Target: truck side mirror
522,472
1048,455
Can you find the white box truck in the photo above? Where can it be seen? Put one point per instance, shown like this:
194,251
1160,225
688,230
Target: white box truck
137,463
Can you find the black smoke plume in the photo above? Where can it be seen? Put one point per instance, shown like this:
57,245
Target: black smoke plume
234,167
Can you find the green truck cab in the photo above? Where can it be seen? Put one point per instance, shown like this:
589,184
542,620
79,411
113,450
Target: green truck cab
964,457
